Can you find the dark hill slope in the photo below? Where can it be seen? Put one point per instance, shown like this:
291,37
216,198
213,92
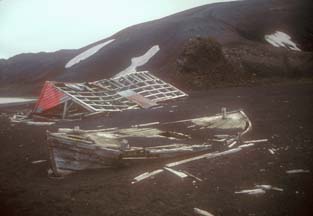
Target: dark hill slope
239,27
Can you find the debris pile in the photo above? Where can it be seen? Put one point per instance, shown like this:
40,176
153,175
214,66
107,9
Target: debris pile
76,149
202,212
259,190
59,100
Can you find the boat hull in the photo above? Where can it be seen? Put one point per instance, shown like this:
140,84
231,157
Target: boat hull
75,149
72,155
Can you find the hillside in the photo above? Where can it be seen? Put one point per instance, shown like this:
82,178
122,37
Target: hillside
244,31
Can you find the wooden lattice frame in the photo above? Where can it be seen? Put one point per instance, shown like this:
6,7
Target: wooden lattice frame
104,95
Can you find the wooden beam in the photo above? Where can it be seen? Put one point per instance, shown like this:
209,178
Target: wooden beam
64,110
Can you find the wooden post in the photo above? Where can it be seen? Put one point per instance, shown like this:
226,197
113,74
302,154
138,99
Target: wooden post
64,110
224,112
52,159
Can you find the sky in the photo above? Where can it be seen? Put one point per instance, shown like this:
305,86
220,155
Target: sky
50,25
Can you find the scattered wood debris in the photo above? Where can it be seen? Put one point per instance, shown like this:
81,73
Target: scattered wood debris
38,161
204,156
295,171
39,123
184,174
269,187
246,145
147,124
232,144
258,191
147,175
157,107
175,172
222,136
256,141
202,212
193,176
272,151
23,119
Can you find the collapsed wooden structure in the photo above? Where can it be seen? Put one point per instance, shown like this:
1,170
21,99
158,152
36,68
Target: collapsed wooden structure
131,91
75,149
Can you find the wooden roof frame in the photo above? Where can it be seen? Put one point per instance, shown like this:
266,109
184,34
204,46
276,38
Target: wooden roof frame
106,95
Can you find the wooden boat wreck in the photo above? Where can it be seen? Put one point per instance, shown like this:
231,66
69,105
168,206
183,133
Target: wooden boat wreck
76,149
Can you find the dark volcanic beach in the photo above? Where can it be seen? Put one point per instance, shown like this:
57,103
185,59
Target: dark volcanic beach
281,113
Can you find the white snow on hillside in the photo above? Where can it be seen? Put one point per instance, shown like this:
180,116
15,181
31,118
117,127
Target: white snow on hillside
140,61
8,100
281,39
86,54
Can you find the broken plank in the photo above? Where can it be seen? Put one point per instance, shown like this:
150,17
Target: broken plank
269,187
146,124
39,161
246,145
232,144
256,141
295,171
202,212
257,191
193,176
271,151
175,172
39,123
147,175
207,156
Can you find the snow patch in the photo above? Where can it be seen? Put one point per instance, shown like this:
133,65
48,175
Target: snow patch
140,61
87,53
9,100
281,39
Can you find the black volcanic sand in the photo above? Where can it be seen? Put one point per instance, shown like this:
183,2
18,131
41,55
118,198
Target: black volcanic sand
281,113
